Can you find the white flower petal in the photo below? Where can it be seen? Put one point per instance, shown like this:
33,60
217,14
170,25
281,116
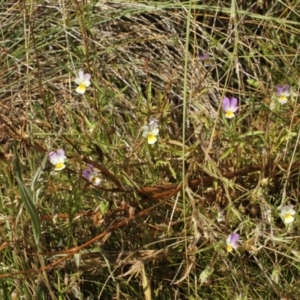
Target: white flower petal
145,134
155,131
86,83
78,81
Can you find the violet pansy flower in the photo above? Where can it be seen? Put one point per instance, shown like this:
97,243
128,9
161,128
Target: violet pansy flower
58,159
205,58
282,93
230,106
232,241
91,175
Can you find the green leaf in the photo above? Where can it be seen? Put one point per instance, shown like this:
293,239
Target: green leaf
226,153
104,206
35,180
26,196
31,209
253,82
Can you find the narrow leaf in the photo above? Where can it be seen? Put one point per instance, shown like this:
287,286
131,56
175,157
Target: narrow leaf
31,209
36,178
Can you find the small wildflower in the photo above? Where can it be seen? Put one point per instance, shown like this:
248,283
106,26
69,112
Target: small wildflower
58,159
232,241
230,106
286,213
205,58
150,132
83,81
282,93
91,175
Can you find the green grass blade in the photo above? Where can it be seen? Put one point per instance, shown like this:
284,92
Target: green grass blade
31,209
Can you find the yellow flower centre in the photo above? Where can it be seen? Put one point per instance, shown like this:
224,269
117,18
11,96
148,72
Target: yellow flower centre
207,62
229,248
95,180
82,86
151,138
287,216
282,98
59,166
229,114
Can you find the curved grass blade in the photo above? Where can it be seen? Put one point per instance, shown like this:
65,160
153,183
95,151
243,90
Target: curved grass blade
35,179
26,196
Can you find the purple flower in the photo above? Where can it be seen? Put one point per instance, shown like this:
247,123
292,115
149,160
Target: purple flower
91,175
282,93
205,58
87,173
58,159
232,241
230,106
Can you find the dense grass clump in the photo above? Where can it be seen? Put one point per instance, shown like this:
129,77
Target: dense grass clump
149,150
